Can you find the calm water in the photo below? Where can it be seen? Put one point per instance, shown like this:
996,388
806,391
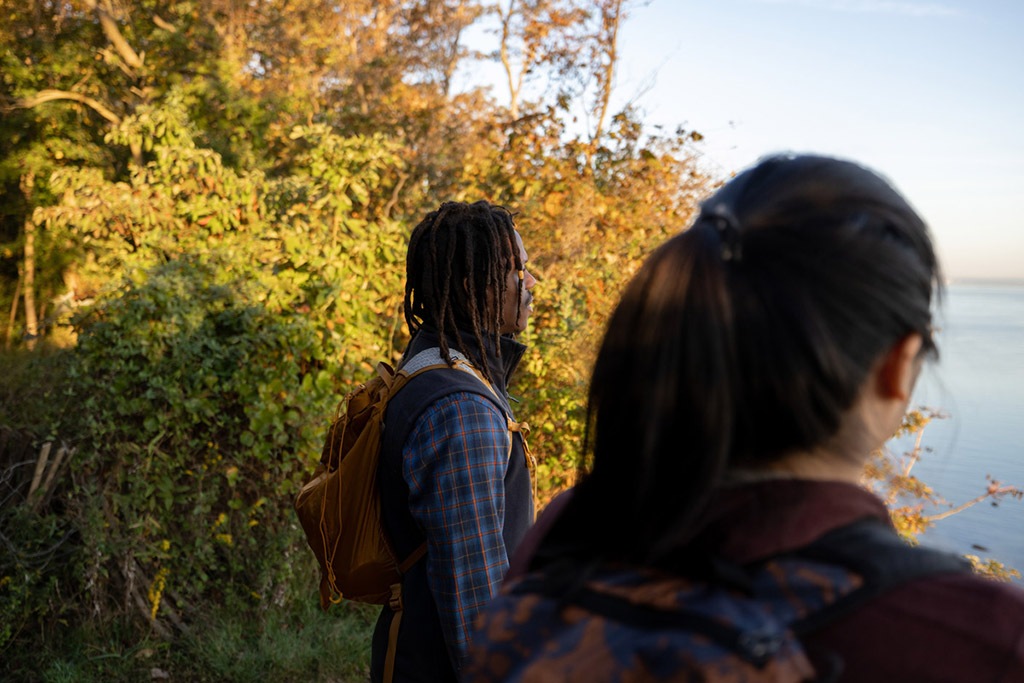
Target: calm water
979,382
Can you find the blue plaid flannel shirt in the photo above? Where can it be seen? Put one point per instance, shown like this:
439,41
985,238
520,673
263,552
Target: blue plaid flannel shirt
454,461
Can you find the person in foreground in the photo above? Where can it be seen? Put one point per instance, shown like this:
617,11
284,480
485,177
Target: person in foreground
719,532
451,473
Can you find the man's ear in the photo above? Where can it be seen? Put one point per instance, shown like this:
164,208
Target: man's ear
898,370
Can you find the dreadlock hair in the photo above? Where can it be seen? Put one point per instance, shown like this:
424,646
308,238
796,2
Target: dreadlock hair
456,272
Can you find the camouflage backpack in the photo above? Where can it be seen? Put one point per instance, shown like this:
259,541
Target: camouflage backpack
627,624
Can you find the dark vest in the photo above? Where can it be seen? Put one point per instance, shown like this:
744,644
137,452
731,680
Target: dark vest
422,654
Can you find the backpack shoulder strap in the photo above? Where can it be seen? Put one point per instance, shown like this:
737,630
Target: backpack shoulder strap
874,551
425,361
430,359
754,645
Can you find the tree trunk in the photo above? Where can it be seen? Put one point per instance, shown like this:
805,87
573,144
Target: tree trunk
29,273
14,312
611,14
28,268
506,60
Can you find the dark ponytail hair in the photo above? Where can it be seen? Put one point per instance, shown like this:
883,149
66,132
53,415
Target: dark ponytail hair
742,339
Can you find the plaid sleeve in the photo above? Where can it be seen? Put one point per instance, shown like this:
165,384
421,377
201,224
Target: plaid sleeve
454,461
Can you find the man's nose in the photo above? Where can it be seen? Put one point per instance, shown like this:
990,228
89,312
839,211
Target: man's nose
528,279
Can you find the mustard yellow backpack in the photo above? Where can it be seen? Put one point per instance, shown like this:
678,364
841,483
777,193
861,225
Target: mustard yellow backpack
339,508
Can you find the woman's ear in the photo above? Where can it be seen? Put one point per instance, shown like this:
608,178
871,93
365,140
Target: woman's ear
899,368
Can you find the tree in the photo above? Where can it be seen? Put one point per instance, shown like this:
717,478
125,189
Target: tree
220,198
72,73
214,196
914,505
604,57
240,307
537,36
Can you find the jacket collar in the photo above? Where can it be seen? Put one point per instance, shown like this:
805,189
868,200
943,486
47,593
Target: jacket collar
500,366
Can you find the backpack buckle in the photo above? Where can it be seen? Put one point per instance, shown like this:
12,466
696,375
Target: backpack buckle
395,601
760,645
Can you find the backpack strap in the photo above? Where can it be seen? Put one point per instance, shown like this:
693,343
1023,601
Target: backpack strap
870,548
866,547
430,359
531,460
756,646
395,603
461,363
424,361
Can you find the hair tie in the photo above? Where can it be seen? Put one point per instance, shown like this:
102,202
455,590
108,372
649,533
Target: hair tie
728,228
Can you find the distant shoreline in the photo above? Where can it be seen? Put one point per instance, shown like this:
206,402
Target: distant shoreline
985,281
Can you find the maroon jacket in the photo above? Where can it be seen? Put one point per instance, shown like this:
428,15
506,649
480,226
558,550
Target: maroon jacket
957,627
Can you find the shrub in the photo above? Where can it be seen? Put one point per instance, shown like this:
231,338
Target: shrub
193,402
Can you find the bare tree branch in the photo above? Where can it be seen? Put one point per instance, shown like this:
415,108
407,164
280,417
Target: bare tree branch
164,24
114,35
394,195
995,490
51,95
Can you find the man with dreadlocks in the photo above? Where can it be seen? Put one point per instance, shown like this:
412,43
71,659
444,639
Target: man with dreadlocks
453,472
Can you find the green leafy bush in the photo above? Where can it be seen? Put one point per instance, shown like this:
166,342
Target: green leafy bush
193,402
38,568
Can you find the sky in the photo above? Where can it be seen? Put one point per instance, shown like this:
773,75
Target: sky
930,93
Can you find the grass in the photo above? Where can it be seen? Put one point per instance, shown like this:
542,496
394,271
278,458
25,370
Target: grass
268,644
304,644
